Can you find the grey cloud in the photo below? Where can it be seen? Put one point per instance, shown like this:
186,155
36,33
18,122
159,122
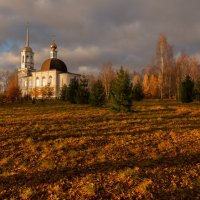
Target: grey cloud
124,32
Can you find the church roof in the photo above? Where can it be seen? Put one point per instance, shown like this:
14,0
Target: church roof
27,49
54,63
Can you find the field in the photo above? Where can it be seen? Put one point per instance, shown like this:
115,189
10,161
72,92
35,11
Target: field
53,150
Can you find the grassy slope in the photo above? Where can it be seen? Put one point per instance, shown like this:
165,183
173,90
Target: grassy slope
61,151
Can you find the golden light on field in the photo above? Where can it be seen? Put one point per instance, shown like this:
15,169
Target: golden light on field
55,151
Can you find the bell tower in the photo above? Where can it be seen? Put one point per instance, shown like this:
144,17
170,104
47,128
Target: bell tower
27,59
27,66
27,55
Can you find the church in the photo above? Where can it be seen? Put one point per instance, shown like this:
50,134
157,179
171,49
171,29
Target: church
53,73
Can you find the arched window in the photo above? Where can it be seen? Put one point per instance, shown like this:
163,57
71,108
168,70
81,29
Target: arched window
27,58
43,81
50,80
23,59
37,82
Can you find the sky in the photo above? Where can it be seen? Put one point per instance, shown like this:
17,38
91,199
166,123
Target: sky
90,33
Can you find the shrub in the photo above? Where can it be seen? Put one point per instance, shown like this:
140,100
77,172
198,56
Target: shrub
13,94
197,90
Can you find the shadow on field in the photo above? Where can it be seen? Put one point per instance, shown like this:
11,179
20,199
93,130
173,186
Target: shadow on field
108,132
54,175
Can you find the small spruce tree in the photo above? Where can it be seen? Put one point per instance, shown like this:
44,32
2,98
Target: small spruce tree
63,94
72,91
121,92
138,93
82,96
186,92
97,95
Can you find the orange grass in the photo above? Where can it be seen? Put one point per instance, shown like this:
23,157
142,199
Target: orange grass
61,151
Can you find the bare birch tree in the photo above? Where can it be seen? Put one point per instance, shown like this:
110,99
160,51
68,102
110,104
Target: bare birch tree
106,75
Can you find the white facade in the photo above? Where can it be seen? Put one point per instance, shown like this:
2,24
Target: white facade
52,75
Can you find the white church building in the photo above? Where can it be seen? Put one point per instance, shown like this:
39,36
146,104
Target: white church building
52,73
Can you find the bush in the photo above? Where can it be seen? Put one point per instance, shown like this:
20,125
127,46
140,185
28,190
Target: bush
137,93
2,98
186,92
13,94
197,90
121,92
97,96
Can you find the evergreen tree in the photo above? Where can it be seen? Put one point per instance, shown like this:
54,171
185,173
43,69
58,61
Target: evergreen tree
121,92
82,96
138,93
197,89
186,92
97,96
63,94
72,91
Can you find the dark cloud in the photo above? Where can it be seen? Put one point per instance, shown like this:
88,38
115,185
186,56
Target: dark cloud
90,33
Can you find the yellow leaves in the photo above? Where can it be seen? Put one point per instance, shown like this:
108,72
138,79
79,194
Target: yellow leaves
142,189
26,193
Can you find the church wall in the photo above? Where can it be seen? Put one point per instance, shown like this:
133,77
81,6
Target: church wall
42,78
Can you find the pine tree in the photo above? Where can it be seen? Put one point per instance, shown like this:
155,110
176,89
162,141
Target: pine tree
186,92
138,94
72,91
63,94
82,96
121,92
97,95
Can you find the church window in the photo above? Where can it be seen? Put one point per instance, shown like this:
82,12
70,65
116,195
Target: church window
43,81
22,58
50,80
37,82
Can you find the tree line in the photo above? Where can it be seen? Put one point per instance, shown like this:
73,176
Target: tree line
167,77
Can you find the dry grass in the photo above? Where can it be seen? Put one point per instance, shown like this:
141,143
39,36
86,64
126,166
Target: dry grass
59,151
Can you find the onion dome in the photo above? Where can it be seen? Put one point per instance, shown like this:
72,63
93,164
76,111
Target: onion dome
54,64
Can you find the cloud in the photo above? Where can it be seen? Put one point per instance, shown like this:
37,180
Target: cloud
90,33
8,59
88,70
